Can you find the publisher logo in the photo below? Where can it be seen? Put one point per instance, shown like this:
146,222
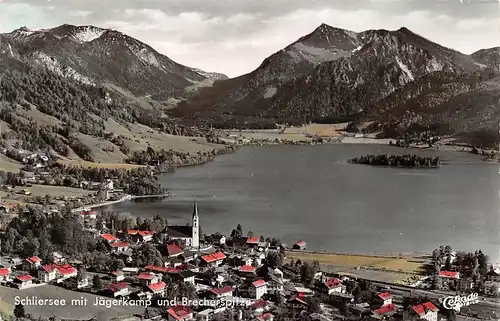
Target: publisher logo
457,302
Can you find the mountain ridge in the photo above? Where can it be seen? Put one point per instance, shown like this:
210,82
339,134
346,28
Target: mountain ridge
344,73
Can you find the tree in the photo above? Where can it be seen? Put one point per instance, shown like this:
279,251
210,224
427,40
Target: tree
96,283
306,274
261,238
19,311
239,231
117,264
274,259
250,234
314,305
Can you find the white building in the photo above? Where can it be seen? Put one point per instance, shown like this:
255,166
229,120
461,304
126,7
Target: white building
491,288
258,289
425,311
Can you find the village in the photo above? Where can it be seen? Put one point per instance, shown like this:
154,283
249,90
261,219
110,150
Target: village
176,273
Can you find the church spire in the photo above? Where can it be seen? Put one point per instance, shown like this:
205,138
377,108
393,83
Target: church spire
195,208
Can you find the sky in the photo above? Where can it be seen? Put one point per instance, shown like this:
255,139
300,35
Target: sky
235,36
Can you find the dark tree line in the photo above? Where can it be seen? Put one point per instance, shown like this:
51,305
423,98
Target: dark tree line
406,160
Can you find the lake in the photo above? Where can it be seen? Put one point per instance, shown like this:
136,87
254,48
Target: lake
311,193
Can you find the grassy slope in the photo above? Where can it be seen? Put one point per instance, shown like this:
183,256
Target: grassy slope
106,154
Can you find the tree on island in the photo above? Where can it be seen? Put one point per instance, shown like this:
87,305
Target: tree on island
250,234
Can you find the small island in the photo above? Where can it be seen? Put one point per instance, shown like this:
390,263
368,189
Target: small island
405,161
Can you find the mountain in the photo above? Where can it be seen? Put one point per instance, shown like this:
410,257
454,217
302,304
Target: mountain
95,55
82,93
328,75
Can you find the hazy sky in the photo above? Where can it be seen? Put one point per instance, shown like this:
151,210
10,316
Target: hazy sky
234,36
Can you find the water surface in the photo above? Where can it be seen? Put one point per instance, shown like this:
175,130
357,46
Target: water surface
312,193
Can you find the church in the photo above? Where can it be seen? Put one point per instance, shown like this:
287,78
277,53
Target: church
189,234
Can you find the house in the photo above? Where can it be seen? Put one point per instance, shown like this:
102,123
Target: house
449,275
275,285
302,292
296,302
383,299
179,313
257,289
300,245
88,215
263,246
332,285
23,281
108,184
213,260
186,277
265,317
259,307
47,273
383,312
188,256
219,239
147,278
218,293
58,258
173,250
252,241
32,263
119,246
246,270
491,288
157,289
108,237
118,289
51,272
425,311
493,275
117,276
138,236
4,274
82,283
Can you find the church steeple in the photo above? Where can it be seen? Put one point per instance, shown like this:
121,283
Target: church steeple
195,209
196,226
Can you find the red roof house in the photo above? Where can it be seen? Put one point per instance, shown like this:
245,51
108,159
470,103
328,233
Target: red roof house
258,283
300,245
108,237
118,288
449,274
157,288
265,317
179,312
213,259
4,272
119,246
253,240
24,278
174,250
247,269
384,310
220,292
422,310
